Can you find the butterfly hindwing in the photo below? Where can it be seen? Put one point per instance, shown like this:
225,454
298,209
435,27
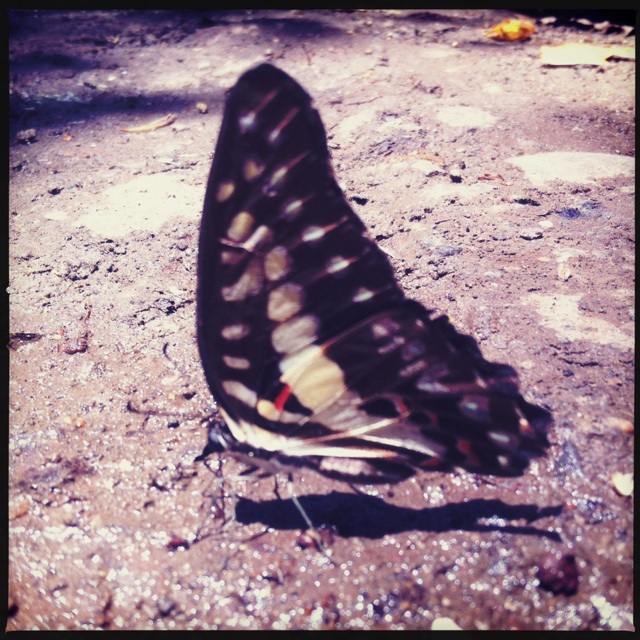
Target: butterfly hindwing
308,343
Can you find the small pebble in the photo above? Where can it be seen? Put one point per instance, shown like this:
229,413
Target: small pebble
531,234
559,574
622,483
447,250
26,136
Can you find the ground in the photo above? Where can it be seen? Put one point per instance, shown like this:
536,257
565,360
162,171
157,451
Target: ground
503,191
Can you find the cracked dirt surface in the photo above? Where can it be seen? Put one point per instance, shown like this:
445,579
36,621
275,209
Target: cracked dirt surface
437,136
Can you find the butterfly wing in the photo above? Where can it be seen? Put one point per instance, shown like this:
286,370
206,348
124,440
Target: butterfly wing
307,342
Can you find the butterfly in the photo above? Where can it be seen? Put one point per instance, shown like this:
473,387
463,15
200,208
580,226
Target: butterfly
315,356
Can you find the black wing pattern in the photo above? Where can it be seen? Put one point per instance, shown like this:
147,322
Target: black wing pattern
311,349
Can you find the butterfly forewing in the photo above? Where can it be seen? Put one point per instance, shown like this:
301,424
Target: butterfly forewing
307,341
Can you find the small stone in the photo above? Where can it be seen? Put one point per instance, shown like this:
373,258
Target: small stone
447,250
26,136
531,234
559,573
165,606
622,483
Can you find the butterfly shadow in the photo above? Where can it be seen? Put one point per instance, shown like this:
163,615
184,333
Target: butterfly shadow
358,515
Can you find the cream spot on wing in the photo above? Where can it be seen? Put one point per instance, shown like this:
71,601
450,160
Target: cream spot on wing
384,328
503,461
500,438
259,238
277,263
285,302
247,121
277,177
236,363
235,331
268,410
292,209
225,191
295,334
241,226
275,134
474,407
336,264
362,295
252,169
317,380
248,284
312,232
240,392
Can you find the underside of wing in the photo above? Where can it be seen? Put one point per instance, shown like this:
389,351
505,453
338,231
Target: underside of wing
307,341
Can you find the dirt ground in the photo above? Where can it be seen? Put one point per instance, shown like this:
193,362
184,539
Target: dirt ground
436,133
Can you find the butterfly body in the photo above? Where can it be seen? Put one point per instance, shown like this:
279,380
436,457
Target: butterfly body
309,345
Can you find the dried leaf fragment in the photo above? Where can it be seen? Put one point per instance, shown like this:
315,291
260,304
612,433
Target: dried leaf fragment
512,30
153,125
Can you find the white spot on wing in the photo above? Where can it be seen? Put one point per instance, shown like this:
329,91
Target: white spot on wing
500,438
252,169
241,226
259,238
277,263
312,232
292,209
225,191
316,379
282,125
285,302
248,284
277,177
236,363
362,295
295,334
336,264
235,331
247,121
384,327
240,392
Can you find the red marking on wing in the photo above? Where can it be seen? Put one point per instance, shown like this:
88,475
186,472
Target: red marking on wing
282,397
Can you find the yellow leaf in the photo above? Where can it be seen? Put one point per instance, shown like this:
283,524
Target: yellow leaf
512,30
